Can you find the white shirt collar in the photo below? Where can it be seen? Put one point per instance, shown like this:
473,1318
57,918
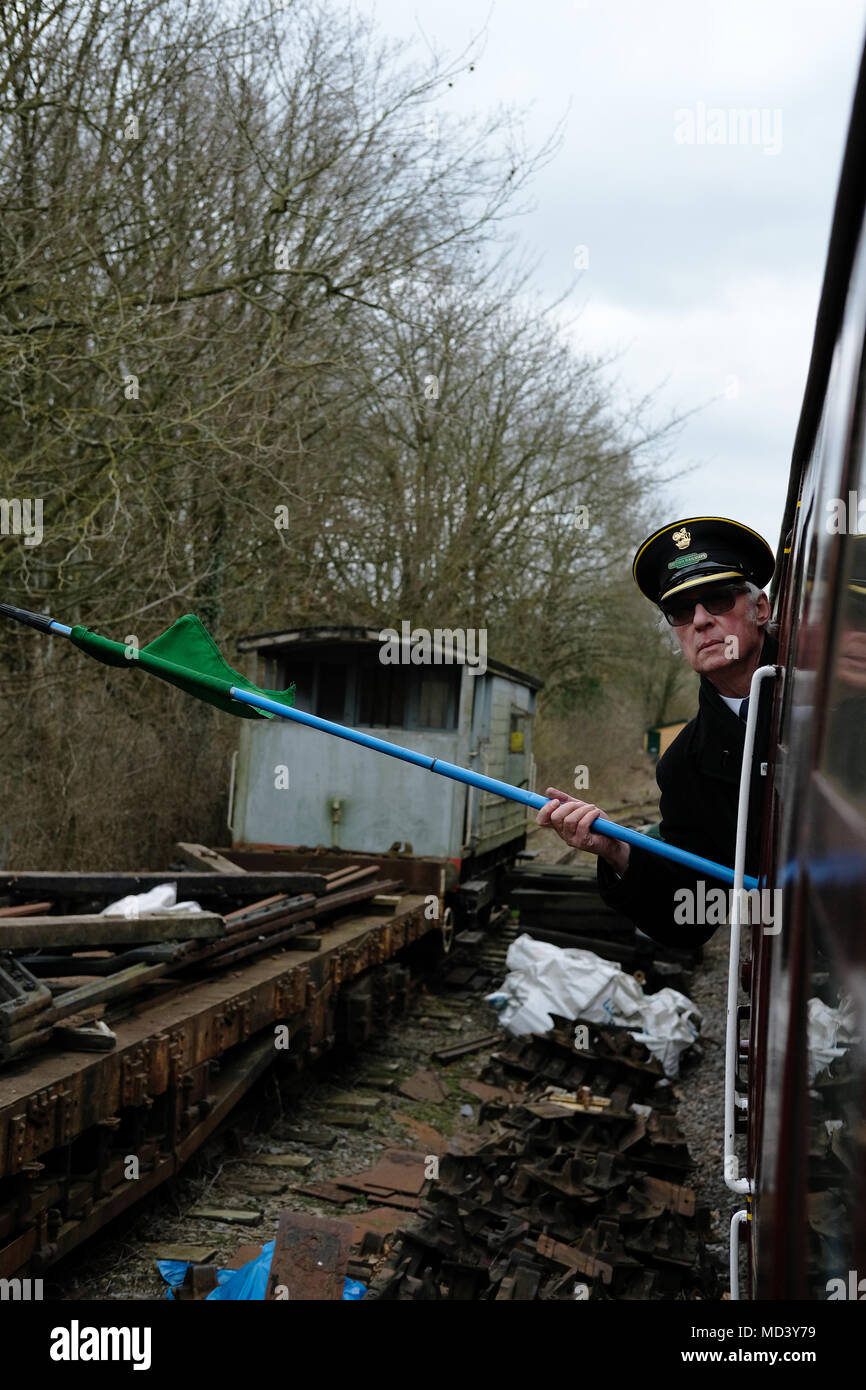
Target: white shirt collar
733,702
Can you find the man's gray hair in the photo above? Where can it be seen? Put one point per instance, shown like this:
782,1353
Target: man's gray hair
754,591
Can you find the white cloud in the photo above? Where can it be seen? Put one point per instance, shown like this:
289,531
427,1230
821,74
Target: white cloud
705,262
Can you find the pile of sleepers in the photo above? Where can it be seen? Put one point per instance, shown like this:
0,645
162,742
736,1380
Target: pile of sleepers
575,1188
561,904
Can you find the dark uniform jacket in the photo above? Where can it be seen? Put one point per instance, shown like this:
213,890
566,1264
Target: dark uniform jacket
699,779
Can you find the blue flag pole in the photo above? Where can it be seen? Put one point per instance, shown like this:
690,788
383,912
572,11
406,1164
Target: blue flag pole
660,848
491,784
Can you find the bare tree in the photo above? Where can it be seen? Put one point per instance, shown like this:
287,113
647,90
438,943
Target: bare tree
489,480
239,285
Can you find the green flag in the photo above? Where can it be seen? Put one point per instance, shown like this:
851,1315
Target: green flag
185,655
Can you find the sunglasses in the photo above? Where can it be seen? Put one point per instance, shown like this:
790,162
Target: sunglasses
720,600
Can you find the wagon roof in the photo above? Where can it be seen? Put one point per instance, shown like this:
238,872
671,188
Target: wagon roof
320,636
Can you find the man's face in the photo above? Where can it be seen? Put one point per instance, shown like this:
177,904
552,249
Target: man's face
714,643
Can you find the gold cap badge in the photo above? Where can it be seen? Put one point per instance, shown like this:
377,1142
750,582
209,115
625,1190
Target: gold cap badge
681,539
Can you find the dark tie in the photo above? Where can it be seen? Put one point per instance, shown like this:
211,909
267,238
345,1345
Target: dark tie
744,708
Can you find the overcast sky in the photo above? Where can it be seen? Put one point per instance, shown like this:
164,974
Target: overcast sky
703,259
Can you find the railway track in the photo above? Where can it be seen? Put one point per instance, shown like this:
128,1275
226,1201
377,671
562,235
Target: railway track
88,1137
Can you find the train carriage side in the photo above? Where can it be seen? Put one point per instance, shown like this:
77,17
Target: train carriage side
807,1073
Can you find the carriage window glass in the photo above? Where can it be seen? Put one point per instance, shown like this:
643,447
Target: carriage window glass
381,695
517,731
300,673
843,758
836,1147
436,696
331,690
434,701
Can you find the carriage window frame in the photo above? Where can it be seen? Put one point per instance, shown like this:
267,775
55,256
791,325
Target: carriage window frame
360,663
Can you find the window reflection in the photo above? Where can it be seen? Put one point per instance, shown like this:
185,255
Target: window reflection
835,1010
845,746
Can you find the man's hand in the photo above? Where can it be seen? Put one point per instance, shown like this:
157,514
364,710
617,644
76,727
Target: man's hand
571,820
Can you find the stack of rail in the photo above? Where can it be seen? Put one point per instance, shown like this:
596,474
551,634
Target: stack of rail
62,962
133,1037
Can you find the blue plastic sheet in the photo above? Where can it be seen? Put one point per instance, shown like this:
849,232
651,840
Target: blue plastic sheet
174,1271
249,1283
245,1285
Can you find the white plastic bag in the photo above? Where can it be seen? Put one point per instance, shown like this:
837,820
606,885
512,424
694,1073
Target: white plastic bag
545,980
829,1032
162,898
